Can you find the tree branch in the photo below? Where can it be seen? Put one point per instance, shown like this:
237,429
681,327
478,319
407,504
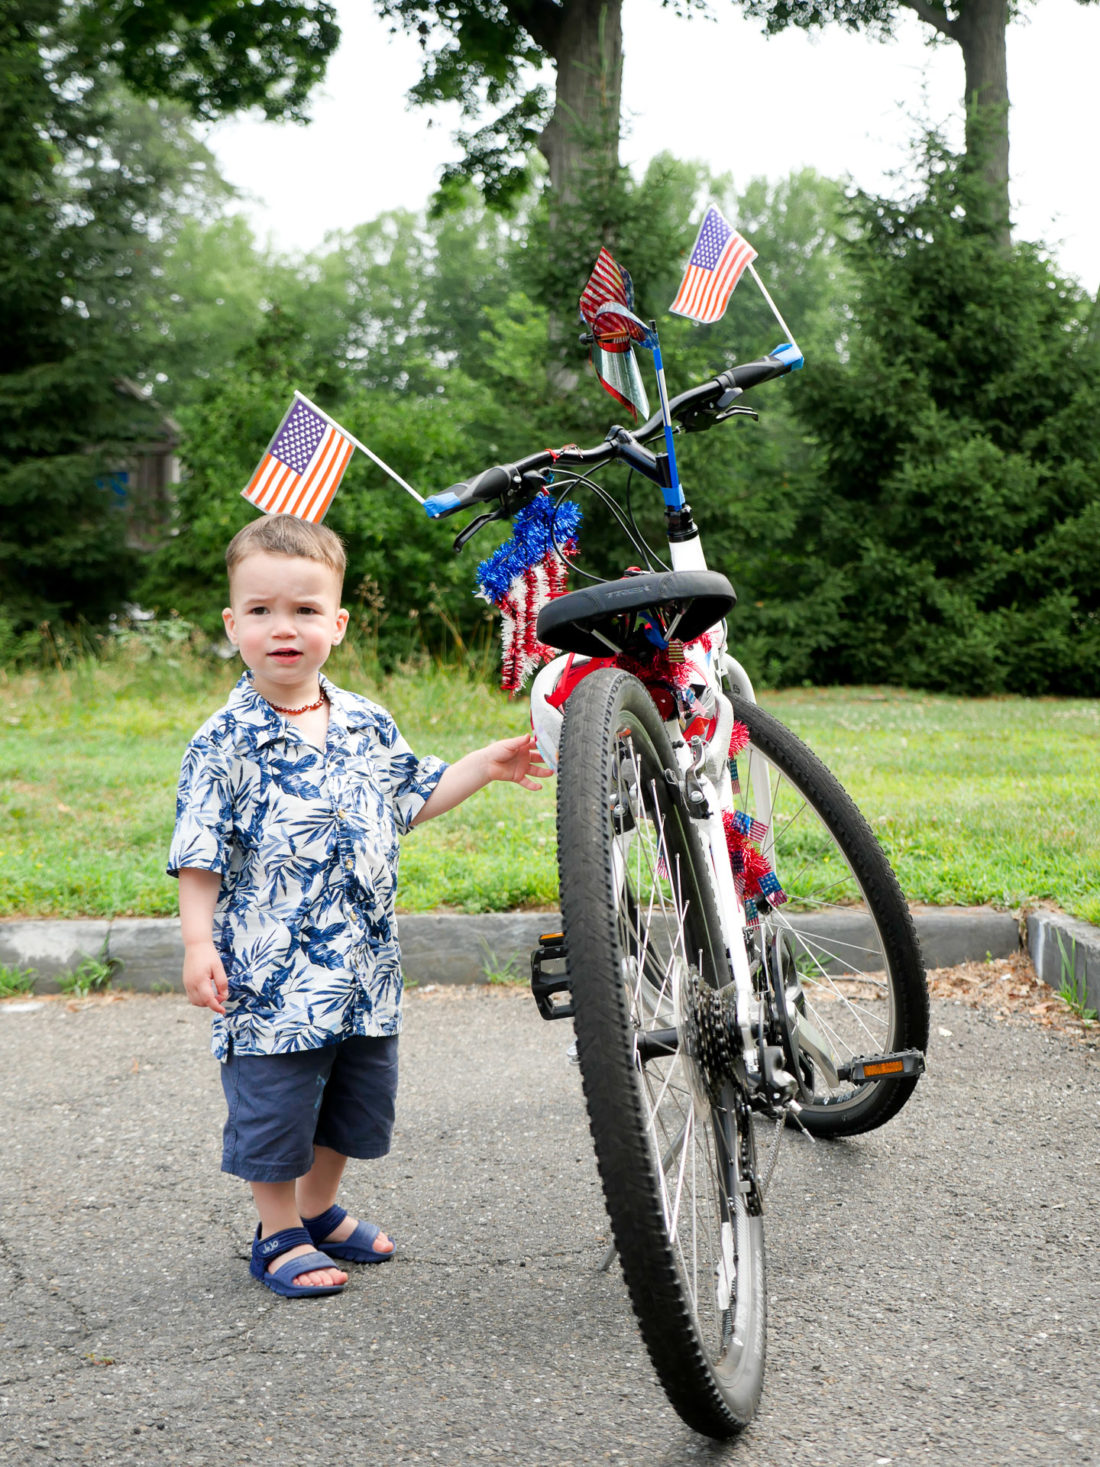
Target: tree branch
541,19
932,14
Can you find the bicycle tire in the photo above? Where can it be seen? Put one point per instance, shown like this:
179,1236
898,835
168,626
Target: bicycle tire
852,935
641,926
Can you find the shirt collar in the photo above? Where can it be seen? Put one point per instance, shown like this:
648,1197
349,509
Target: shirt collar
247,706
346,713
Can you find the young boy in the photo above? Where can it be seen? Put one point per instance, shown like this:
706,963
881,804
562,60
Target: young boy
291,800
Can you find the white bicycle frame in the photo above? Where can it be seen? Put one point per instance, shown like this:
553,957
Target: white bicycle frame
707,762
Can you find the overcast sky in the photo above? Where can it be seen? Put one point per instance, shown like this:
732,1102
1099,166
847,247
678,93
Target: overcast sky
717,91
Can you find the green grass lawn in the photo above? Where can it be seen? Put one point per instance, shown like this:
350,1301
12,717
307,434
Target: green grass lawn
975,800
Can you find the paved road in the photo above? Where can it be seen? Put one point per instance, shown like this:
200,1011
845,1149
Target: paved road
934,1291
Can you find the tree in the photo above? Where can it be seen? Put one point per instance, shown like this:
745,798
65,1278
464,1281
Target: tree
214,56
484,55
91,182
979,28
950,535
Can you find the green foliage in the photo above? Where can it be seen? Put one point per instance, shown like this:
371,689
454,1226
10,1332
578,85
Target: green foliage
214,56
506,973
947,538
93,185
483,57
1072,990
14,981
91,975
403,577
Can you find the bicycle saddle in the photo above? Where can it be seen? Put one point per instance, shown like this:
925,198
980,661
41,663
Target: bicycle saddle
613,616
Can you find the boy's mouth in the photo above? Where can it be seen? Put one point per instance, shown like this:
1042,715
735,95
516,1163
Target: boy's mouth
286,654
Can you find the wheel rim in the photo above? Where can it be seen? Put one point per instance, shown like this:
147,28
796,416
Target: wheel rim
691,1124
843,985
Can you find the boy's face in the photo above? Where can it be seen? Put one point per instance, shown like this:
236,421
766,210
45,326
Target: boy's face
284,617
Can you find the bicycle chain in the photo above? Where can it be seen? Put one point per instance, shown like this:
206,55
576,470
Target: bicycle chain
772,1156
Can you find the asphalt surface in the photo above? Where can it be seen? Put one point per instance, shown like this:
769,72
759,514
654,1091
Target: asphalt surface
934,1296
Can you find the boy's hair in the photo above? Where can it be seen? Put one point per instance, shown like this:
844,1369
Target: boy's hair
286,534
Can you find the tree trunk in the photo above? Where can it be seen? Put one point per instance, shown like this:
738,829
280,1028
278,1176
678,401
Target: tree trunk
581,140
981,30
581,146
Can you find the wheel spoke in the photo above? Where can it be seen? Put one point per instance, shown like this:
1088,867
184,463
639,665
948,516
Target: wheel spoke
863,994
695,1277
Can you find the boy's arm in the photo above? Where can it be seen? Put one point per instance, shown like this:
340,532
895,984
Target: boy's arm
515,761
203,974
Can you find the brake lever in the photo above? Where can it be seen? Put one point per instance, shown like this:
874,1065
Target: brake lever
699,422
511,500
467,533
738,412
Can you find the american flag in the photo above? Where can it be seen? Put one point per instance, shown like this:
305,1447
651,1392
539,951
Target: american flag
608,282
716,265
303,465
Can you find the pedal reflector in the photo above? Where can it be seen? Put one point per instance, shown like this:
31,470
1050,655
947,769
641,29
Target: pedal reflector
896,1066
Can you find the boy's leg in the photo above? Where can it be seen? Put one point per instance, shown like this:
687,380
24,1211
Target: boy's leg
275,1202
273,1103
355,1118
316,1193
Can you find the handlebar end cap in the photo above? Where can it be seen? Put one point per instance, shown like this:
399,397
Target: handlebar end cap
441,504
789,354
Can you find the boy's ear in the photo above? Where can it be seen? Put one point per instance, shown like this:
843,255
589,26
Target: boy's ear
341,626
230,624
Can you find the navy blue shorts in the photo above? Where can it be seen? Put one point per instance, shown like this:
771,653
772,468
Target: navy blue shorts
283,1105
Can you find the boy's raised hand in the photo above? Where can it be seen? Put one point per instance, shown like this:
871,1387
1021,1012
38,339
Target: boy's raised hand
513,761
516,761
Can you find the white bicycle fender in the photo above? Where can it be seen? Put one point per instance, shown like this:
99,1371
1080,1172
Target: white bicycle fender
546,720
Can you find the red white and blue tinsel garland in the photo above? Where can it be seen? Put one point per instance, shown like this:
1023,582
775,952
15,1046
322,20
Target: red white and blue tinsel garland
753,877
523,575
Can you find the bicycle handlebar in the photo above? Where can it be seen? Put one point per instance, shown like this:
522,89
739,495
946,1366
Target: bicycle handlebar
697,408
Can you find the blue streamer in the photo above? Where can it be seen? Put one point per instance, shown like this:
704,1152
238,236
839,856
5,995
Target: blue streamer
534,532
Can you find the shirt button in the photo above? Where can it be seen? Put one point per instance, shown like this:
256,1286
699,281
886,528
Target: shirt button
343,814
348,862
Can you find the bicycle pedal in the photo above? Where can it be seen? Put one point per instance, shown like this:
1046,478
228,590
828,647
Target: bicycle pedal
546,986
896,1066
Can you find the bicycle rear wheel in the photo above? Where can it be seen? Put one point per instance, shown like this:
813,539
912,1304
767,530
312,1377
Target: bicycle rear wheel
852,957
673,1142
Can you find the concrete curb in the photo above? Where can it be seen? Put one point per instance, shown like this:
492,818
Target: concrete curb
445,947
1066,953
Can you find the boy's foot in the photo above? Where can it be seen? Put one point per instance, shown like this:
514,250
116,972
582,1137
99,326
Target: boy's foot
273,1258
364,1242
344,1230
319,1278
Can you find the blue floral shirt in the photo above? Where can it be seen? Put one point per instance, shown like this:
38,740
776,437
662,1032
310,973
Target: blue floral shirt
306,843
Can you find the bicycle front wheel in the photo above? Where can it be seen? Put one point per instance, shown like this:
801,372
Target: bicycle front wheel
671,1130
852,960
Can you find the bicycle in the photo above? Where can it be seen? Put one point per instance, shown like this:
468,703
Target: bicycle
735,944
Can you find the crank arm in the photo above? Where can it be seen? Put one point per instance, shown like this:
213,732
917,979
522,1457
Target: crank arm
812,1042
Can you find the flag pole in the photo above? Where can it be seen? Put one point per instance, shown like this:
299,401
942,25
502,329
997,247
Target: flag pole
362,446
775,309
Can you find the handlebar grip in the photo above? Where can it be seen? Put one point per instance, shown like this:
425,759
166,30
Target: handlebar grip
490,484
779,361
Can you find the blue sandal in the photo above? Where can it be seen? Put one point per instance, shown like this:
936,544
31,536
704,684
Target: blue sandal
281,1279
357,1248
